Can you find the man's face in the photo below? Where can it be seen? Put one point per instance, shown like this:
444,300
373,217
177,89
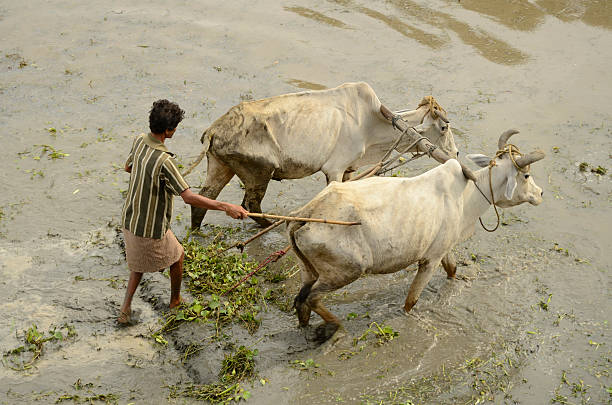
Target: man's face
169,133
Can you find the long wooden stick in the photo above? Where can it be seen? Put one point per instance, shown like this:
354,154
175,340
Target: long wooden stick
324,221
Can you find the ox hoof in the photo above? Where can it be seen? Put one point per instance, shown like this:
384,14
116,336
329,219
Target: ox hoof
402,312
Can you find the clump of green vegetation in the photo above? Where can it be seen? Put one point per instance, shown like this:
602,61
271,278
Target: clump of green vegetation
304,365
210,275
599,170
23,357
235,367
43,149
383,334
577,390
583,166
544,304
238,366
217,393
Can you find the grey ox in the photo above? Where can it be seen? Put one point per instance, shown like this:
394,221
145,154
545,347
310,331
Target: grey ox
291,136
403,221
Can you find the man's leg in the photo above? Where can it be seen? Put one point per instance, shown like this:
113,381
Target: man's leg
176,277
126,308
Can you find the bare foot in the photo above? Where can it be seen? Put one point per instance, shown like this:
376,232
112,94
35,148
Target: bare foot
124,318
176,303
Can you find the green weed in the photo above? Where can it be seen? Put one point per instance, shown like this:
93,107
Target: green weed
303,365
235,367
23,357
383,334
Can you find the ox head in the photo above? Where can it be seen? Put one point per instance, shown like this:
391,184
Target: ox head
512,180
435,126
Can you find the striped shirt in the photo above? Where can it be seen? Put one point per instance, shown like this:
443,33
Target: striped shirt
154,181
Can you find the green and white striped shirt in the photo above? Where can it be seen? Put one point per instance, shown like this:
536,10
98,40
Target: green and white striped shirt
154,181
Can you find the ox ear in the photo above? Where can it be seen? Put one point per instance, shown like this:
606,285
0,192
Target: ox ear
480,160
511,184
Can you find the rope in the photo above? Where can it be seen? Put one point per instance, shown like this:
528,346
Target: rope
511,150
491,164
272,258
433,107
386,170
383,168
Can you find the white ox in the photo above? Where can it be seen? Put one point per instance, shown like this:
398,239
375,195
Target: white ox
403,221
291,136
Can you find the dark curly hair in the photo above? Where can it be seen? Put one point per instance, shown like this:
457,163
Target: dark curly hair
164,115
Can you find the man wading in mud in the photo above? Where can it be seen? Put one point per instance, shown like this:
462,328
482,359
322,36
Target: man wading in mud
150,245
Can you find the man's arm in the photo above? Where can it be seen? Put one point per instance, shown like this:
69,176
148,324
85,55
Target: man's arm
232,210
128,168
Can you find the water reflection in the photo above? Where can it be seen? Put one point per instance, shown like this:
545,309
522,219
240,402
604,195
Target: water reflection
517,14
525,15
487,45
406,30
597,13
319,17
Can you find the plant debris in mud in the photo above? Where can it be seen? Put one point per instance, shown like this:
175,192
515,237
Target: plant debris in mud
304,365
383,334
43,150
482,379
238,366
217,393
209,274
81,399
235,367
23,357
212,276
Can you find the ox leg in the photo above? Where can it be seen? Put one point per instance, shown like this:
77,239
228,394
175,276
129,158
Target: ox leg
301,307
217,177
421,279
449,264
253,195
309,277
321,286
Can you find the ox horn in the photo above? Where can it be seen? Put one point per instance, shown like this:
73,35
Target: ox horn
530,158
503,138
442,116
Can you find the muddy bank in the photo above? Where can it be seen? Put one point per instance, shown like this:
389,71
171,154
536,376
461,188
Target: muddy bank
526,321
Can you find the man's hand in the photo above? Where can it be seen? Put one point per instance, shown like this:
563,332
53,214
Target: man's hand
128,168
235,211
232,210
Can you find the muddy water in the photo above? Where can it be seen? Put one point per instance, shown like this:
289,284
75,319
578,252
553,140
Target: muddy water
526,321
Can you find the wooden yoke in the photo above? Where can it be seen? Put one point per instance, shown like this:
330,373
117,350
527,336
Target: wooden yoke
423,145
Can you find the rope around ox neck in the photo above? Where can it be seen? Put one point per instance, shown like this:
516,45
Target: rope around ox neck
511,150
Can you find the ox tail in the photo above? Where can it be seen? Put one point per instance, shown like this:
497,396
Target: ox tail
313,275
205,139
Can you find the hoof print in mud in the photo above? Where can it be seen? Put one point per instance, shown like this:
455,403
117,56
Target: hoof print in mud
323,332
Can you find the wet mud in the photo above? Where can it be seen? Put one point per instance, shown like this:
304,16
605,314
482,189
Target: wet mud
527,318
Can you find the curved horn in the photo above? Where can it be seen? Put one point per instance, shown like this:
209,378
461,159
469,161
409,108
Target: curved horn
442,116
530,158
503,138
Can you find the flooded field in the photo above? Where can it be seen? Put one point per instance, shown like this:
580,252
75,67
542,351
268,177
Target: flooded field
527,319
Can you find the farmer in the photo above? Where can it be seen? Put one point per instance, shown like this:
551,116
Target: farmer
150,245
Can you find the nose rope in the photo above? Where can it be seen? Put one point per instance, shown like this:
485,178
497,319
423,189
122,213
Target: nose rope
511,150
